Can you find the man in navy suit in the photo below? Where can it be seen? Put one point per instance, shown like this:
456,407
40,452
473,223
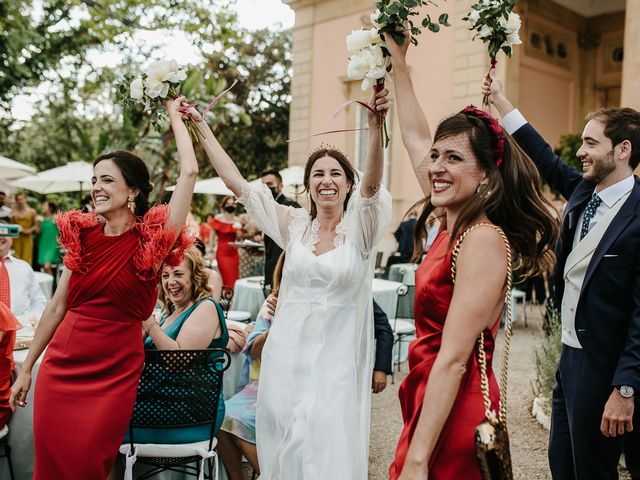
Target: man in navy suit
597,284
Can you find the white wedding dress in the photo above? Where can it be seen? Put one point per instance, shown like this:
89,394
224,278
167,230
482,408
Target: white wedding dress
312,418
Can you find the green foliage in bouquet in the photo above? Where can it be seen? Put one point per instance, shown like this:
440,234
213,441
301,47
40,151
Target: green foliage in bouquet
495,24
393,14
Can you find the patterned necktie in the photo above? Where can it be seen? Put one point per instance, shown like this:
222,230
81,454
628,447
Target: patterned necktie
589,212
5,289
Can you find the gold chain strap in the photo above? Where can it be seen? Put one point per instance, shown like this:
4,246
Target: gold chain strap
482,358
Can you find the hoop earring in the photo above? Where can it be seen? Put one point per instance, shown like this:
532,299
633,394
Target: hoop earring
131,204
482,190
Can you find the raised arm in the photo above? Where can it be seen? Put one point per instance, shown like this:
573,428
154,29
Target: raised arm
372,176
221,162
181,198
51,318
414,128
475,306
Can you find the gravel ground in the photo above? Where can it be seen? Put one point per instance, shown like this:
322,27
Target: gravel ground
528,438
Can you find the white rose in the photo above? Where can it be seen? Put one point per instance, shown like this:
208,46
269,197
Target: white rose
374,19
485,32
375,36
473,17
174,75
155,88
511,24
513,39
358,39
137,89
358,67
376,66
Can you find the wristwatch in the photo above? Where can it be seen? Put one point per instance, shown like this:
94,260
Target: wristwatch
626,391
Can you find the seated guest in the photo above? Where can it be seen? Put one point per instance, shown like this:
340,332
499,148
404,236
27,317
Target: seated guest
191,320
384,349
21,294
8,327
215,279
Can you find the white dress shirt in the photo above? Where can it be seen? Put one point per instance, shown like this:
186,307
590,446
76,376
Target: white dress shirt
609,197
26,296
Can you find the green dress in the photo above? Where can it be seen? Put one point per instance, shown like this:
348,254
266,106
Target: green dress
187,434
48,244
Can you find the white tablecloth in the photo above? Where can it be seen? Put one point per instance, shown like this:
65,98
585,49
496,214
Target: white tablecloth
21,423
248,295
46,283
403,272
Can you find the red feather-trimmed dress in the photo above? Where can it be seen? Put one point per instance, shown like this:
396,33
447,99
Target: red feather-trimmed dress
227,256
8,326
86,385
454,457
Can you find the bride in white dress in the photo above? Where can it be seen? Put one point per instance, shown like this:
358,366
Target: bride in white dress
312,418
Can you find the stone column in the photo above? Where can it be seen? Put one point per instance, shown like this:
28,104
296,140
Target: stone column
631,63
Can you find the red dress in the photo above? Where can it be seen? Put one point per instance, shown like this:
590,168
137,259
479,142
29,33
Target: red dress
226,255
8,327
86,385
454,456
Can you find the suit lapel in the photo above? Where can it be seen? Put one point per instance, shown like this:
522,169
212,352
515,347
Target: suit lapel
627,212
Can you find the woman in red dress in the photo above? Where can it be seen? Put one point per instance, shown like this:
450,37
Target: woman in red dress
473,173
8,326
227,226
87,382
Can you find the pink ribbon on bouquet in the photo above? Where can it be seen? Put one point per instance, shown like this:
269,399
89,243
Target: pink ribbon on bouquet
342,107
185,108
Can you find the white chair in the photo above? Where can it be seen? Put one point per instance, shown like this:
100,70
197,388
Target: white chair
518,297
402,324
6,449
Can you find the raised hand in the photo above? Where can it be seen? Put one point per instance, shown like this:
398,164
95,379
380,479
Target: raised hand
173,106
398,52
493,87
381,103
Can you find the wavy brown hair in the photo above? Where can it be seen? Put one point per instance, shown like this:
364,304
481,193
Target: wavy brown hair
200,289
277,274
512,199
344,162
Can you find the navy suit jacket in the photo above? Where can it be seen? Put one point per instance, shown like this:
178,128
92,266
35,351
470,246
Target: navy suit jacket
384,340
608,313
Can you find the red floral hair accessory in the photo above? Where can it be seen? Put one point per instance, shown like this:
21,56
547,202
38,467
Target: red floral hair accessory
497,134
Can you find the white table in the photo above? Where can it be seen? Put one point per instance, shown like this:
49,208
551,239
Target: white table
403,272
248,295
45,281
21,423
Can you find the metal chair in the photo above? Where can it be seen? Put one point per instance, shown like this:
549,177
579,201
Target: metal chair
177,388
6,449
403,325
225,299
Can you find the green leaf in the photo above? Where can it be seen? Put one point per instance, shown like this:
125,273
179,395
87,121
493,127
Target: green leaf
434,27
443,19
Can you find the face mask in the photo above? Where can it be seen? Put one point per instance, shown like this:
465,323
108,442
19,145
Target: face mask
230,208
273,191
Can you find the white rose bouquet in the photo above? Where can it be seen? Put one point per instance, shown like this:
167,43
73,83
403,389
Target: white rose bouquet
146,92
497,25
369,59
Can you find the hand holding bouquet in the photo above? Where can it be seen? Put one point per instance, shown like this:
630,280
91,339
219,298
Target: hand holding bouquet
497,25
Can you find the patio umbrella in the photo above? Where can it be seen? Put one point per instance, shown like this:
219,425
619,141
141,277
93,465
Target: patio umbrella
210,186
11,169
72,177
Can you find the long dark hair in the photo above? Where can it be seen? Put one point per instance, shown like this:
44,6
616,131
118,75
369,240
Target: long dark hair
344,162
512,198
135,173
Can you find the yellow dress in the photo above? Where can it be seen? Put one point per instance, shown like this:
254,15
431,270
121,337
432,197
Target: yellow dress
23,245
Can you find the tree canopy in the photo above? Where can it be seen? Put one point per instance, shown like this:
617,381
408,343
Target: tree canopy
46,50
